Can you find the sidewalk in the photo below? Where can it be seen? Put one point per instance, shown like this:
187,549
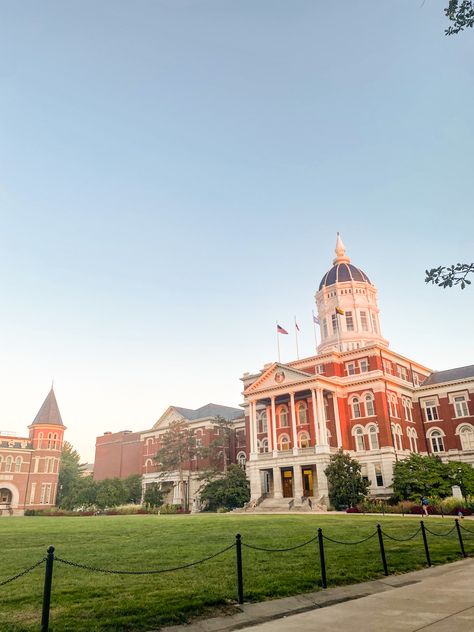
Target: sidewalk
437,599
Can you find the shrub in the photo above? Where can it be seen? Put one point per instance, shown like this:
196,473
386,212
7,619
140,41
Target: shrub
170,509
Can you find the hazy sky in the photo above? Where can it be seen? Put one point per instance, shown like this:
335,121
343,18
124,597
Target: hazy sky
172,177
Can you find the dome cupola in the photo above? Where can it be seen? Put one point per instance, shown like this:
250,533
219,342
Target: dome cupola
346,301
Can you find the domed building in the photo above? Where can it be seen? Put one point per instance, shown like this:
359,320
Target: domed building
355,393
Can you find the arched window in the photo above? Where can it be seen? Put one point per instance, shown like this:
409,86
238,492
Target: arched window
241,459
466,434
50,440
55,440
262,425
18,462
263,446
393,405
302,413
303,440
436,439
369,405
355,408
407,407
283,414
8,464
412,438
359,439
148,465
374,437
40,440
283,442
397,436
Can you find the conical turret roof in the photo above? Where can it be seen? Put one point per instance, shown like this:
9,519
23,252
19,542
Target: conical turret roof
49,413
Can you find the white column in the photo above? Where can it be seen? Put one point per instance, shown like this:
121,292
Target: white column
255,483
293,423
254,428
322,480
321,417
277,487
298,481
274,431
315,417
337,420
269,431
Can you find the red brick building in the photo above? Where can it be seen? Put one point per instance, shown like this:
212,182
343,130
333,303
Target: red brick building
29,466
356,394
121,454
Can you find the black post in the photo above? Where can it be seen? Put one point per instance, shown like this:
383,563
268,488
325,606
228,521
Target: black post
322,559
240,575
48,580
461,543
425,542
382,551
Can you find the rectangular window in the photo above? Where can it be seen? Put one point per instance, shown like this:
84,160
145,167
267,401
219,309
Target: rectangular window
320,369
387,367
378,474
335,324
363,321
36,464
431,411
325,328
364,472
364,365
460,406
32,493
350,368
349,321
42,494
402,372
374,322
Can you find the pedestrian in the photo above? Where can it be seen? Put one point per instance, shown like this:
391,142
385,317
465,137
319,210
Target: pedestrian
424,505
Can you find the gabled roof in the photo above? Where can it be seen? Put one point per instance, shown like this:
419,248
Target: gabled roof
269,378
49,413
450,375
209,410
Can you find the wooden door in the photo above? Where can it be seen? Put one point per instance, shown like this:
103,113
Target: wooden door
287,483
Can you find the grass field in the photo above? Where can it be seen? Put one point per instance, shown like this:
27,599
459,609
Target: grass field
86,601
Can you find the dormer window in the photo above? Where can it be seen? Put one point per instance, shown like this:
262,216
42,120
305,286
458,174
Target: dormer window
402,372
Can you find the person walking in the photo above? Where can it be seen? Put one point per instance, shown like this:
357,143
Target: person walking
424,505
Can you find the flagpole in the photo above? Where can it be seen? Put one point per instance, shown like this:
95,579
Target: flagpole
314,330
278,341
296,339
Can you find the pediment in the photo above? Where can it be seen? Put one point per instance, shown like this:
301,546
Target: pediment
277,375
170,415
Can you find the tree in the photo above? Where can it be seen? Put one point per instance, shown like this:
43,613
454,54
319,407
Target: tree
220,448
153,496
178,448
69,477
461,474
230,491
447,276
461,13
132,489
346,485
421,476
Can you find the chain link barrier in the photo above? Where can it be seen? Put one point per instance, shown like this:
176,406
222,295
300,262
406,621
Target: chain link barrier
24,572
109,571
466,530
372,535
391,537
291,548
440,535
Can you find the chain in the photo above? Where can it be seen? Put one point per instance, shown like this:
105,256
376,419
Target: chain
466,530
356,542
441,535
391,537
152,572
291,548
27,570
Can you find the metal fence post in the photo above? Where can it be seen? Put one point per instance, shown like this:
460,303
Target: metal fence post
48,580
425,542
240,575
322,559
382,550
461,543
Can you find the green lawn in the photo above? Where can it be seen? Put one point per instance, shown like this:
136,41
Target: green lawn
82,600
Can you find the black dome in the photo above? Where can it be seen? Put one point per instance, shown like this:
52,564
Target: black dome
341,272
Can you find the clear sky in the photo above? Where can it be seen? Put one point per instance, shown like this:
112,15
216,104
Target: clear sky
172,177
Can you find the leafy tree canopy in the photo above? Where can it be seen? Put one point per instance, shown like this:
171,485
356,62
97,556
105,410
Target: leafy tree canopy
230,491
153,496
69,477
461,14
346,485
447,276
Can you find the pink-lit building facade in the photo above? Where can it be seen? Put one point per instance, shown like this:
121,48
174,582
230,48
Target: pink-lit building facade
29,466
356,394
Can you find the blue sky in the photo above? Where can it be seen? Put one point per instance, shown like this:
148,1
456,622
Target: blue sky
172,177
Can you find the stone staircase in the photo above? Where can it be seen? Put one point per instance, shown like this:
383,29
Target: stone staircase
278,505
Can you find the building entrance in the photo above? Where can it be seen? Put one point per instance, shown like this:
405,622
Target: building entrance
5,497
287,483
307,482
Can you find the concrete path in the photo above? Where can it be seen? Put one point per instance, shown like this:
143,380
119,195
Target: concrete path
437,599
442,603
